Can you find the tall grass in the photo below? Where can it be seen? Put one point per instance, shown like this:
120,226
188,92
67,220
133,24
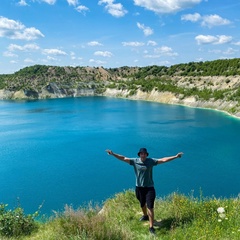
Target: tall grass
177,216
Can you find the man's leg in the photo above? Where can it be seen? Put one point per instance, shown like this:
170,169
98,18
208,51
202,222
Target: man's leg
150,208
144,210
141,196
150,212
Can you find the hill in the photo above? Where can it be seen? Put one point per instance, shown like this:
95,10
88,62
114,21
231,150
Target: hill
211,84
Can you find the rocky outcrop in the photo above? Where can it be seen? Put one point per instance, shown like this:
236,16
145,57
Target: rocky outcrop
50,91
5,94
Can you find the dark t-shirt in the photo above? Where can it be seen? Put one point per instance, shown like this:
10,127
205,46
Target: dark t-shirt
143,171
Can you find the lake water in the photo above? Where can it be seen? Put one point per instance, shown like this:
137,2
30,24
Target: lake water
53,151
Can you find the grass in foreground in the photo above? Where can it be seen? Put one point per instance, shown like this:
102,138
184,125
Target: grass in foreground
176,217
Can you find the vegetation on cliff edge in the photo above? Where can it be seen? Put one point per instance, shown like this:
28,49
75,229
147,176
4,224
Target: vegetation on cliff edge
177,216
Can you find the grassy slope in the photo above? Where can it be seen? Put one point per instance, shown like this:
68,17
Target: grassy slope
177,217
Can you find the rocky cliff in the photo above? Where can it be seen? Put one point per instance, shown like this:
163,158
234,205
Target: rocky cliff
186,84
170,98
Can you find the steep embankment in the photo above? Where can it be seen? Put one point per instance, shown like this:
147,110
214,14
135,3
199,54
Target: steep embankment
155,96
170,98
213,84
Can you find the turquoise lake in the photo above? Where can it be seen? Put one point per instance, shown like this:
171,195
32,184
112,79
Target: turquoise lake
53,151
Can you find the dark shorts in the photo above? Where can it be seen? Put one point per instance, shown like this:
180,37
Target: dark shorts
146,195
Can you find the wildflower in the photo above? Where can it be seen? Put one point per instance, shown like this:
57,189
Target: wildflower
221,210
219,220
222,215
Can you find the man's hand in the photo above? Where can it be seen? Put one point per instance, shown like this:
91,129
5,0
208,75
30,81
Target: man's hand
179,154
109,152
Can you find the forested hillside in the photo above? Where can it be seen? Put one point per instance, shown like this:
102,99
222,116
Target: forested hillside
209,81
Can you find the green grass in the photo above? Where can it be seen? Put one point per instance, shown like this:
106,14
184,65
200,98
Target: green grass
177,217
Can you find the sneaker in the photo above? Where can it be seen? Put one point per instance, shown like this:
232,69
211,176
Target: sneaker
152,230
144,218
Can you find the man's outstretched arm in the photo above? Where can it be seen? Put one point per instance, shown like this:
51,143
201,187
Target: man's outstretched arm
118,156
167,159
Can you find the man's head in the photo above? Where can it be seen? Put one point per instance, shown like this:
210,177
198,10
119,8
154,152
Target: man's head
142,151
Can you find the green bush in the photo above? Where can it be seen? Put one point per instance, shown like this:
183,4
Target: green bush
14,223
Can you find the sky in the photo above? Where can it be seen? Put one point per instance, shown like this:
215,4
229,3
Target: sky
116,33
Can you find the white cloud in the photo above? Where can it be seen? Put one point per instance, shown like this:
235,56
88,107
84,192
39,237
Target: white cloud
53,59
191,17
28,34
115,9
206,20
9,54
13,62
73,2
98,62
51,2
164,63
165,51
166,6
151,56
223,39
230,51
28,60
209,39
26,47
94,43
8,24
14,47
16,30
22,3
82,9
55,52
133,44
205,39
151,43
214,20
103,54
146,30
237,43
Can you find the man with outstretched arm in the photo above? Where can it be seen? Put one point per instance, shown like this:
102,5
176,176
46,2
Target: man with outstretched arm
145,191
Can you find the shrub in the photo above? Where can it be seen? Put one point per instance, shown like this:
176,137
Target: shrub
14,223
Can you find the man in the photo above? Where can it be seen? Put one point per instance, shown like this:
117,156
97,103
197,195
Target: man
145,191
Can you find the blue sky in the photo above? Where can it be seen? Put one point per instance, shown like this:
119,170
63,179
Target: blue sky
115,33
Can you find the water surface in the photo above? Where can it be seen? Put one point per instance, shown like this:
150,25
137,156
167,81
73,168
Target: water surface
54,150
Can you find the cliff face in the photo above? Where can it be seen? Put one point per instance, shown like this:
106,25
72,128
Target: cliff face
51,91
185,84
170,98
162,97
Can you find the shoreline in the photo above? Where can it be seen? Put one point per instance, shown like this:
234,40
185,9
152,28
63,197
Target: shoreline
169,100
153,96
